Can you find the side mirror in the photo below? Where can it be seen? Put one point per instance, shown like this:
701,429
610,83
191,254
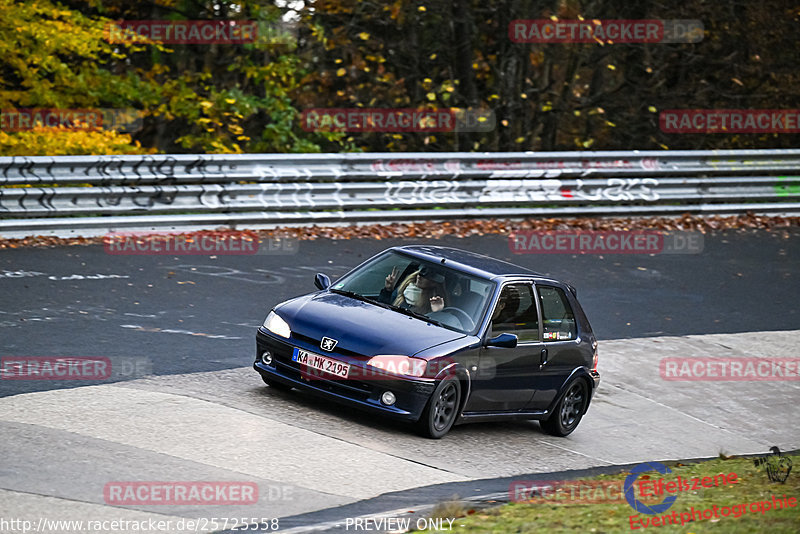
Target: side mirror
322,281
507,341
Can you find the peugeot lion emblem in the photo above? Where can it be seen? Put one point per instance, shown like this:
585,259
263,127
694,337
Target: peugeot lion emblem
327,343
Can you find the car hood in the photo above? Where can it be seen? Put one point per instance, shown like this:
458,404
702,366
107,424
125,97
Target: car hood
361,327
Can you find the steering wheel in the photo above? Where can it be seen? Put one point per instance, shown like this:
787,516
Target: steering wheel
466,321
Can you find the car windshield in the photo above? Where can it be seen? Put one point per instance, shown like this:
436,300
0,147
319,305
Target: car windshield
427,290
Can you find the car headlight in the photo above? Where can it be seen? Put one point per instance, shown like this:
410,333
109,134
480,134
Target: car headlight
276,325
399,365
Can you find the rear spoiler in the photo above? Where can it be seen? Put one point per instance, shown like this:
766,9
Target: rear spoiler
573,290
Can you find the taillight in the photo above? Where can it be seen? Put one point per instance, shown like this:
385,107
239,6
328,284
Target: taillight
594,357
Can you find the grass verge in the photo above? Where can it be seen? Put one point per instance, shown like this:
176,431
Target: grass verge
598,504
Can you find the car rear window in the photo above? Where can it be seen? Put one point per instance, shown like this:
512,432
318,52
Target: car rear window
558,321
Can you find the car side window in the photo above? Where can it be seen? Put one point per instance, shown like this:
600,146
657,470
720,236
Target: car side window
515,313
558,321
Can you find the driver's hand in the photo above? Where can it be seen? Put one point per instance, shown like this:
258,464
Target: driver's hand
437,303
392,278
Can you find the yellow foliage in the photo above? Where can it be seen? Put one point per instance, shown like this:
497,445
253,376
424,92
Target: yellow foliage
62,142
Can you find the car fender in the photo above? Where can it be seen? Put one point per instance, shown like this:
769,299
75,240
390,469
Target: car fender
463,375
583,374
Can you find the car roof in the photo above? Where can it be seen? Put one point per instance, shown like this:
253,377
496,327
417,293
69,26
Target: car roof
468,261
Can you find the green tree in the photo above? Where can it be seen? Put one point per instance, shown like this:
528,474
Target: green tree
193,97
52,57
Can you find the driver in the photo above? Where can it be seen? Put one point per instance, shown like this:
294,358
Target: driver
420,292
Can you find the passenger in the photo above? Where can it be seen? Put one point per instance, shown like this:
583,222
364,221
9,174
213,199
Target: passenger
420,292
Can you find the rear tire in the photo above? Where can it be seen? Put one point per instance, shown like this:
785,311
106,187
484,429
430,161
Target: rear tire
441,410
278,386
569,410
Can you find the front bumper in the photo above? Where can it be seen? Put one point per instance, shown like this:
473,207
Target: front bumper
412,395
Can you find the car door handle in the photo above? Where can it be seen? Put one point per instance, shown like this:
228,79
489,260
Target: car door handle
543,357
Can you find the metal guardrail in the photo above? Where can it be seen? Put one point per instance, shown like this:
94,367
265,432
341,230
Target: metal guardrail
93,193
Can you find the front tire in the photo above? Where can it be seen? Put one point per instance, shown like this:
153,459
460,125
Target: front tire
441,410
569,410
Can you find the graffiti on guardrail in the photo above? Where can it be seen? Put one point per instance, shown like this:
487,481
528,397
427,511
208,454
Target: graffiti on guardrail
120,168
399,167
281,188
644,163
520,168
361,195
331,195
168,169
615,189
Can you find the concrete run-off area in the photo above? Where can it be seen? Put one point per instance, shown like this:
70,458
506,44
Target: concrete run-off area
306,455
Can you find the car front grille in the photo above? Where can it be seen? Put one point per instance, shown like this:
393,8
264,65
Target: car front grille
316,343
282,356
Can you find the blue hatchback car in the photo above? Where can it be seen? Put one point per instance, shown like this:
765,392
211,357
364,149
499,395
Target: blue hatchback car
437,336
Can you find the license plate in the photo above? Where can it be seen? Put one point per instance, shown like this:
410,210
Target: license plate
322,363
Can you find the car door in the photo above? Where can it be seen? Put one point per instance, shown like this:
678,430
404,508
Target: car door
505,379
560,344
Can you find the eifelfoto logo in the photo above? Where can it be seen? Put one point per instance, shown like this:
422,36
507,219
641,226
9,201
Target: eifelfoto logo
327,343
638,505
778,466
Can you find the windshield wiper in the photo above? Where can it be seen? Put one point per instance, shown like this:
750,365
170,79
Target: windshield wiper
350,294
357,296
412,313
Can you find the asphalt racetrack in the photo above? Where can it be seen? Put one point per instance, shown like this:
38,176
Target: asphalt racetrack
183,404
